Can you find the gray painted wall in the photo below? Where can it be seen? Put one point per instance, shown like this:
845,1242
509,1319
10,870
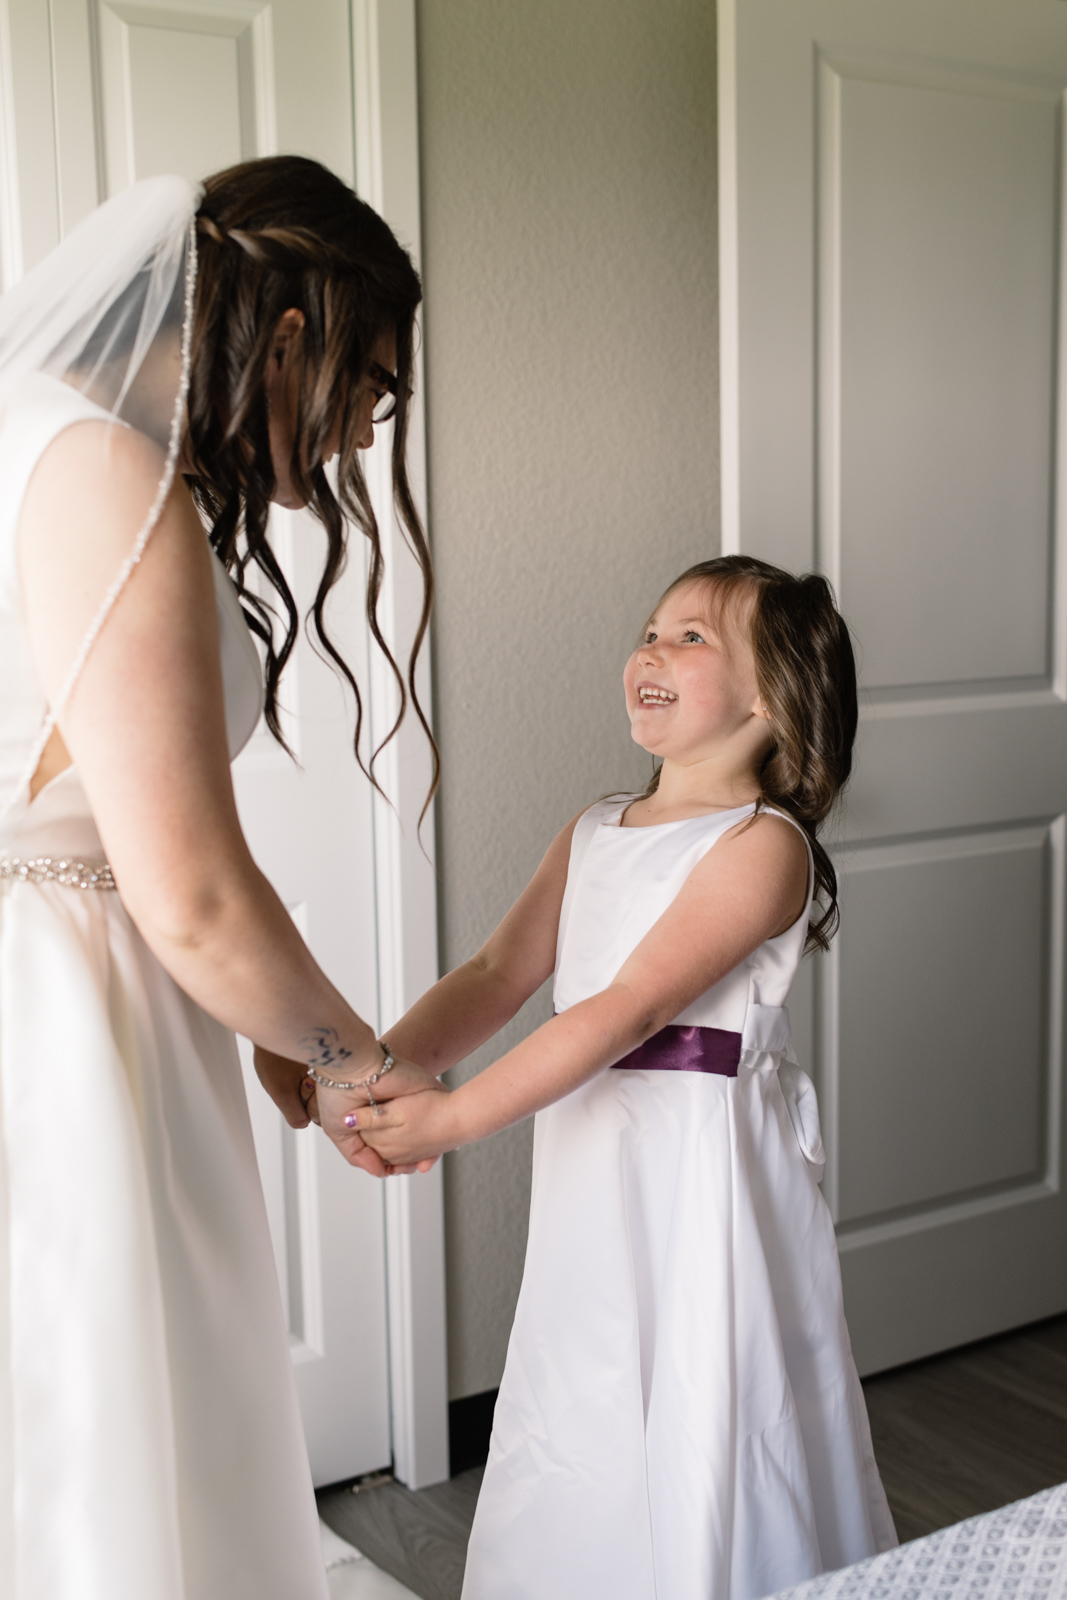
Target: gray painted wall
569,251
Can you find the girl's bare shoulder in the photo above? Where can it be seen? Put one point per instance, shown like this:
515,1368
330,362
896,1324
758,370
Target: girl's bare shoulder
766,854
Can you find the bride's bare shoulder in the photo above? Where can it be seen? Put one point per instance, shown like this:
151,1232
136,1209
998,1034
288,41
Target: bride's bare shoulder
89,495
94,464
85,505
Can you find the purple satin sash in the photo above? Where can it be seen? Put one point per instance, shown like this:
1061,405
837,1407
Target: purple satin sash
687,1049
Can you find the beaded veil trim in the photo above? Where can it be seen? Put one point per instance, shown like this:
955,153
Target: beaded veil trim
60,869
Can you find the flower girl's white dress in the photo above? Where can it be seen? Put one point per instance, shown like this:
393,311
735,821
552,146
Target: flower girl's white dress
150,1443
680,1417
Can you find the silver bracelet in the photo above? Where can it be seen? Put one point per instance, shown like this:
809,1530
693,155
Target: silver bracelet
388,1063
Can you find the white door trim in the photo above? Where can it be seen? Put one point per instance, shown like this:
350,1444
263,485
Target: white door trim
729,302
387,177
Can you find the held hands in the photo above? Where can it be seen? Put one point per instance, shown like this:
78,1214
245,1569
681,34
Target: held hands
413,1128
342,1114
301,1101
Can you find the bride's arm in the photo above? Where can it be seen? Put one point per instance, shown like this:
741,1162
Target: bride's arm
146,727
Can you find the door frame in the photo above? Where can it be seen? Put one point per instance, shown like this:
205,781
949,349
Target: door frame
729,287
385,100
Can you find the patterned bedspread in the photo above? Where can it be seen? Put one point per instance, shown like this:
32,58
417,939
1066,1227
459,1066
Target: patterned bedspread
1016,1553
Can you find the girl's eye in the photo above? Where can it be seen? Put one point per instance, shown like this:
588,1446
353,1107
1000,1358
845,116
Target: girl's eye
650,637
692,638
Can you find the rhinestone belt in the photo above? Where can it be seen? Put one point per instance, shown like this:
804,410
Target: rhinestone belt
58,869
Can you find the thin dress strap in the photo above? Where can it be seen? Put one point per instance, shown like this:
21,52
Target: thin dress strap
166,483
772,811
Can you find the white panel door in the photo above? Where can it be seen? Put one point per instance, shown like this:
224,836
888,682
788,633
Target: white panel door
100,93
893,387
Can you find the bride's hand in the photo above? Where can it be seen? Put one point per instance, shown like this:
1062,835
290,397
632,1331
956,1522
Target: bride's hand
288,1085
335,1105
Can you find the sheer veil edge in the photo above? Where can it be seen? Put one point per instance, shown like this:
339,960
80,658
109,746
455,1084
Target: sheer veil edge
94,314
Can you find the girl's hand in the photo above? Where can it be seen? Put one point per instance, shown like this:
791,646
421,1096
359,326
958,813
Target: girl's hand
340,1111
415,1129
288,1085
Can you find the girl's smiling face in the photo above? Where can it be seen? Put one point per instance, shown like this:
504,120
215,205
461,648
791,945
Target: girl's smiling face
691,691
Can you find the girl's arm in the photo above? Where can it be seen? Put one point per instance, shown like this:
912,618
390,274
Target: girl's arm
475,1000
751,886
146,727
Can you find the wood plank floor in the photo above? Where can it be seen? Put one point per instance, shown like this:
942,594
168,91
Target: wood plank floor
420,1537
972,1430
958,1434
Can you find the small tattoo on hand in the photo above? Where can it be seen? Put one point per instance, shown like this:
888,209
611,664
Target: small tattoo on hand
324,1048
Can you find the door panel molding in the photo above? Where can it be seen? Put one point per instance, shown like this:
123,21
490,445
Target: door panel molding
29,210
1012,467
248,24
291,1191
1044,840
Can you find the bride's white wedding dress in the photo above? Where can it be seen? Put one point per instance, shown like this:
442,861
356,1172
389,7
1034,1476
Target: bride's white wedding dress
150,1443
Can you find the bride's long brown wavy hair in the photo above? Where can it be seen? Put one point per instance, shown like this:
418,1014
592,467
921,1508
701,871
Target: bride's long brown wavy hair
276,234
806,675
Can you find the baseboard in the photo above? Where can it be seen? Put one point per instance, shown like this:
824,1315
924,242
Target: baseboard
470,1422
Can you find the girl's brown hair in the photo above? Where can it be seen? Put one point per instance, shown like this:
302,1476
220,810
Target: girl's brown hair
806,674
285,233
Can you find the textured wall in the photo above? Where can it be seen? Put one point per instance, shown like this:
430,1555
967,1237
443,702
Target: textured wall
569,249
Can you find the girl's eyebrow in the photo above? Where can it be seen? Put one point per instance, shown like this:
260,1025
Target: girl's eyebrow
683,622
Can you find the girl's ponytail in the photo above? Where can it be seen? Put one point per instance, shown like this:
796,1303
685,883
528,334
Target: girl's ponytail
807,677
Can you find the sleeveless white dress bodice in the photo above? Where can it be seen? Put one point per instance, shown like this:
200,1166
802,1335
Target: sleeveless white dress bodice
38,411
150,1441
621,881
680,1416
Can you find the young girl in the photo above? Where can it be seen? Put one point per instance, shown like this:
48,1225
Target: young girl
680,1417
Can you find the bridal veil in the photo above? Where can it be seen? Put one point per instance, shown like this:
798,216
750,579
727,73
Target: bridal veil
109,313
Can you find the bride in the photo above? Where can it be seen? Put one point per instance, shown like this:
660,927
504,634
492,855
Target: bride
183,355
